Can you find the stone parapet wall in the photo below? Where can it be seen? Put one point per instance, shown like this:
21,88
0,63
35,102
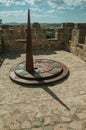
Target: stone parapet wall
14,38
13,46
0,46
64,33
67,25
80,25
70,37
37,45
79,50
78,41
85,40
75,36
78,36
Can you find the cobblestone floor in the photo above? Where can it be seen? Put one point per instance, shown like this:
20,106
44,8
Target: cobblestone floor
42,108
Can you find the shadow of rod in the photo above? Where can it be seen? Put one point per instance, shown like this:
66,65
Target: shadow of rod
55,97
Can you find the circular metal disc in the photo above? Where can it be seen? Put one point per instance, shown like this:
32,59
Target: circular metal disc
45,71
42,69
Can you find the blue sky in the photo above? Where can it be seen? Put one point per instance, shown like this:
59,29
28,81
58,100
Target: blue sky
43,11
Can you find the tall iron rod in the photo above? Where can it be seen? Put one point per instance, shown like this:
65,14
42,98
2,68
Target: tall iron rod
29,55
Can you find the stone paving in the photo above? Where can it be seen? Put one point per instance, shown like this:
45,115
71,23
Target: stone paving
59,106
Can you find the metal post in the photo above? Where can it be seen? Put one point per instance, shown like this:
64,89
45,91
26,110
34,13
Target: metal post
29,55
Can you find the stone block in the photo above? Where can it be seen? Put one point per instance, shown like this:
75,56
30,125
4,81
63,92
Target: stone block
65,25
80,25
48,128
73,50
81,39
85,40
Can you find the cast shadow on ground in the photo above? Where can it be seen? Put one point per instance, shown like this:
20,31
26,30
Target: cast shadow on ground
16,54
46,87
13,54
10,55
44,52
51,93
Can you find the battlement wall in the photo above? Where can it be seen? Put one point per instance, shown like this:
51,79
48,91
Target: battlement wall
78,41
37,45
70,37
15,38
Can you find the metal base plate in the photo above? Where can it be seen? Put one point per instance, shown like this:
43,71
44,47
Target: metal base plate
45,71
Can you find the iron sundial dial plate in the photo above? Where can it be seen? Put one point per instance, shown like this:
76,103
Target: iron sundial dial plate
45,71
42,69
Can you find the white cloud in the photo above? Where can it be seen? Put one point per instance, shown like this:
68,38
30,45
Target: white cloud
29,1
66,3
36,9
84,13
44,18
12,13
83,3
55,3
51,3
22,2
11,2
75,2
6,2
50,11
19,3
35,2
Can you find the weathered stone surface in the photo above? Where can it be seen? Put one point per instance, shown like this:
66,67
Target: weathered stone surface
67,37
48,128
15,125
25,124
37,128
78,46
66,119
81,116
77,125
83,92
1,123
37,122
35,108
5,128
55,119
60,127
22,117
47,121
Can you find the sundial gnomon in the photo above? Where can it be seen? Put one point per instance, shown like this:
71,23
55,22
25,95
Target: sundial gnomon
38,71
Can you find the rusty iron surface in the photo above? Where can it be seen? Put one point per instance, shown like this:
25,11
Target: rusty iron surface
43,69
52,72
29,55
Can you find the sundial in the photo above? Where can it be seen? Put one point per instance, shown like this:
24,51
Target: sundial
38,71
